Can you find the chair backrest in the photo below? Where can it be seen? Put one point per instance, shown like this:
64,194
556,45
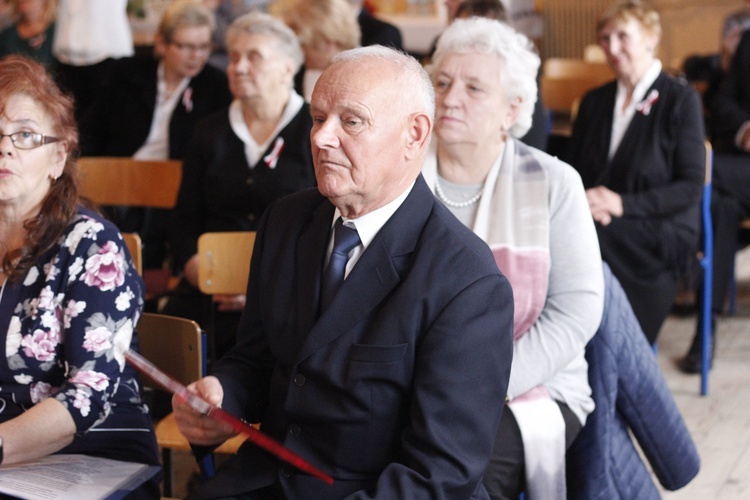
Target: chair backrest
565,80
133,242
224,262
129,182
173,344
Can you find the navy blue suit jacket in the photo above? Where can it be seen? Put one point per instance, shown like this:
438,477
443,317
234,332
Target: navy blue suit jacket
396,390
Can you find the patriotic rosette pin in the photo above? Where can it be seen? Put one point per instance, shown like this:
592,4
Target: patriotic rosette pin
272,158
644,107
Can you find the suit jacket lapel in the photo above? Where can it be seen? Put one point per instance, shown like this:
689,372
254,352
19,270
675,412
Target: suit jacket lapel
604,128
636,128
377,272
310,258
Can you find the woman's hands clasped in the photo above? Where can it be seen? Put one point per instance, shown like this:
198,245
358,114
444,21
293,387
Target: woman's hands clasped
604,204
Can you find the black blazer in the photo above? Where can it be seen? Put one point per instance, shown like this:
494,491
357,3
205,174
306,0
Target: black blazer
120,122
730,107
375,31
659,167
219,190
396,390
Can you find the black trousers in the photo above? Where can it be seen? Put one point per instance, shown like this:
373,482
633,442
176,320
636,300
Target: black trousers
644,261
505,477
730,203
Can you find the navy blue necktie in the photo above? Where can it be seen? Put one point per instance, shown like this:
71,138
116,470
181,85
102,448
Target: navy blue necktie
344,240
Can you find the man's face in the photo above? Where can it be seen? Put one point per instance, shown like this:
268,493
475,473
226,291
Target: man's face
359,136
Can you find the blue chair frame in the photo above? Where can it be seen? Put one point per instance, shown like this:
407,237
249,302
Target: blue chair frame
706,262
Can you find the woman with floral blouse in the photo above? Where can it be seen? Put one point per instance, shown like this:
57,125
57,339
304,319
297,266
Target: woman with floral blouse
70,297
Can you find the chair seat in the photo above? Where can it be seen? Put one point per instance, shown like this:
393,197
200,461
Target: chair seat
168,435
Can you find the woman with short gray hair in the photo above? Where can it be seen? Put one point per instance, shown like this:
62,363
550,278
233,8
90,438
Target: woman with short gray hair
531,210
241,160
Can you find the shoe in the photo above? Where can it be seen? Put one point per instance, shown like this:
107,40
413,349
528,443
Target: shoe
691,363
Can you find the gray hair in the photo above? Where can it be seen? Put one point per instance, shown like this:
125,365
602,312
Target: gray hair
416,84
487,36
259,23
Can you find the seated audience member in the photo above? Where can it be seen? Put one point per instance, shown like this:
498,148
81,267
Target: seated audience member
385,370
537,134
730,197
241,159
225,12
712,68
160,99
375,31
324,28
70,296
90,35
531,210
638,144
150,108
32,32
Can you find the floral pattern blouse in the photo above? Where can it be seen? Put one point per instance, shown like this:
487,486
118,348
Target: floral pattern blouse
67,325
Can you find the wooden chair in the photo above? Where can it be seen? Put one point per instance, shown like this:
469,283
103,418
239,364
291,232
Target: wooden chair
130,182
133,242
563,81
223,268
224,262
175,345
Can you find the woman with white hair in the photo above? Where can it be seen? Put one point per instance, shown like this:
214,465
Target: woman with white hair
531,209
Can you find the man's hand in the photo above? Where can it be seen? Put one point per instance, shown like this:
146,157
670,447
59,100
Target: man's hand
197,428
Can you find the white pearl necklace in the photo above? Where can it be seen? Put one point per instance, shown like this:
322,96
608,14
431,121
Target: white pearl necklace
456,204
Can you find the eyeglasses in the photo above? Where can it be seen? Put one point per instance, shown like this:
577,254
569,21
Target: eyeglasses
189,47
29,140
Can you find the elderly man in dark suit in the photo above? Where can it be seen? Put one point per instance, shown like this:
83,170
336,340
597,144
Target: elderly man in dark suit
390,384
730,201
